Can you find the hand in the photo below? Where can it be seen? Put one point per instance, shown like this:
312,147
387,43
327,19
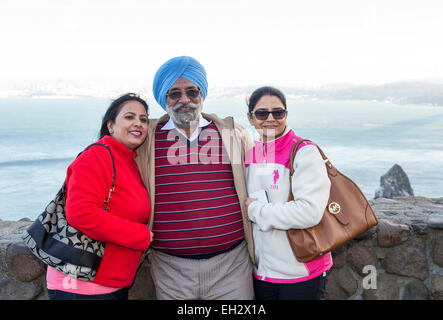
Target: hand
248,202
152,236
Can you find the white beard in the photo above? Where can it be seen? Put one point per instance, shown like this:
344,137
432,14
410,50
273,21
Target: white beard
184,119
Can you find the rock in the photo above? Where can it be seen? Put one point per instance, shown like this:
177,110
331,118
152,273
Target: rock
420,228
415,290
391,234
360,256
437,257
367,234
340,285
23,264
387,289
437,287
394,183
338,257
436,221
13,229
14,290
412,211
407,260
4,225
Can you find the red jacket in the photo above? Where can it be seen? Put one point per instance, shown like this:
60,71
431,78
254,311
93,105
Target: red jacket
124,226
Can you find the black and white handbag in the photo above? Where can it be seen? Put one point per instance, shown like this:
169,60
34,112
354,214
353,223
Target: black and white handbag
61,246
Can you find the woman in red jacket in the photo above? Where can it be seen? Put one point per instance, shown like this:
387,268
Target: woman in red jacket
123,227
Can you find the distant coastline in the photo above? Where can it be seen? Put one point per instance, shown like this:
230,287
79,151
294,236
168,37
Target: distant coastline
402,93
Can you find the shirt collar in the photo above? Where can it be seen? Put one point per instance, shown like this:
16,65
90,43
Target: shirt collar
202,122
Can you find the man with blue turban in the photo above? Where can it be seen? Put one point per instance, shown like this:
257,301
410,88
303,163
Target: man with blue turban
193,166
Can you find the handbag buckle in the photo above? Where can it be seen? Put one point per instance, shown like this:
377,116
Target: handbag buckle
334,208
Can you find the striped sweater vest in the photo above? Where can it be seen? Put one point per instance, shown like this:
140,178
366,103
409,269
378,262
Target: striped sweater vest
197,210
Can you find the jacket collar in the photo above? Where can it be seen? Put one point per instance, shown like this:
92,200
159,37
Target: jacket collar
118,147
281,137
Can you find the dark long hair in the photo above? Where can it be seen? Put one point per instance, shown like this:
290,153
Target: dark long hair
115,108
264,91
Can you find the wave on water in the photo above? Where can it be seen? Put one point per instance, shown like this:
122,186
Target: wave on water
33,162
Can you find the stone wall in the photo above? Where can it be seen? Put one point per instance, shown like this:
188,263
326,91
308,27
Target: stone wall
23,276
401,258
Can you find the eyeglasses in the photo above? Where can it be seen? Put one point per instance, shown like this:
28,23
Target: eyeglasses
262,114
190,93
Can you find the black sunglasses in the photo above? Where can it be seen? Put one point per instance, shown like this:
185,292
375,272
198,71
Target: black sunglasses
190,93
262,114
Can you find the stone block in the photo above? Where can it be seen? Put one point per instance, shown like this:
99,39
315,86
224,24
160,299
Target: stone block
340,285
15,290
407,260
415,290
436,221
338,257
22,263
360,256
391,234
437,287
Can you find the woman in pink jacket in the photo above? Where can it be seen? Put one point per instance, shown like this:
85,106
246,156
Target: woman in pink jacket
277,273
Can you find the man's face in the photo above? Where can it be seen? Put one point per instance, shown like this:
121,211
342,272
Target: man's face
188,106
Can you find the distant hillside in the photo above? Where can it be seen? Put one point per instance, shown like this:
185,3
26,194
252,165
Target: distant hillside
423,93
398,92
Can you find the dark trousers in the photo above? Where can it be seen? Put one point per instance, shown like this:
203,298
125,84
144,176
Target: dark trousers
121,294
307,290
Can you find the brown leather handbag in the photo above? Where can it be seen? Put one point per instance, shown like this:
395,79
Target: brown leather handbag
347,214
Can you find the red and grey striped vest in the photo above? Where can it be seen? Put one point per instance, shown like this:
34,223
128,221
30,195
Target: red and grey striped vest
197,210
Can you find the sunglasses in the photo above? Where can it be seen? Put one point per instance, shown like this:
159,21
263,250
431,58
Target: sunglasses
190,93
261,114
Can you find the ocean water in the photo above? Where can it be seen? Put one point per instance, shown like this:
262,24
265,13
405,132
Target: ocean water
39,138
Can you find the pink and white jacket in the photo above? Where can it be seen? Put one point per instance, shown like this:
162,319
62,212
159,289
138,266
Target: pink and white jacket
268,167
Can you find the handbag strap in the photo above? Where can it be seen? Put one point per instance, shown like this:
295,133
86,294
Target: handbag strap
106,202
292,156
110,153
295,149
331,170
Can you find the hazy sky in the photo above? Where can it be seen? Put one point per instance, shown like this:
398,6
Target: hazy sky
240,42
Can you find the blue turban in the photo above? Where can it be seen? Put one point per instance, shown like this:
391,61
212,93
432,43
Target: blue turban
177,67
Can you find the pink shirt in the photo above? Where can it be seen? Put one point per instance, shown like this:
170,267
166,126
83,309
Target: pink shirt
57,280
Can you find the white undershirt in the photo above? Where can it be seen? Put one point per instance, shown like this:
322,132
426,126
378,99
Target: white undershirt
202,122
